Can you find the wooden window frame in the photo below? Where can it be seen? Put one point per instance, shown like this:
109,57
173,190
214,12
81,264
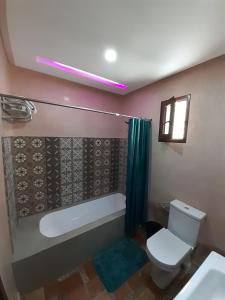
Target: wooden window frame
167,138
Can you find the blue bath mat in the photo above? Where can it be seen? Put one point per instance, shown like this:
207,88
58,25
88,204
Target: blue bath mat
117,263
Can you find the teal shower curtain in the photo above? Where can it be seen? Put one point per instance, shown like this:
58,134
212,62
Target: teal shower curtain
137,173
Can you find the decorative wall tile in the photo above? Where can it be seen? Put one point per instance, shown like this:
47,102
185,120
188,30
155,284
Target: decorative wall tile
30,174
77,143
53,172
66,172
47,173
67,200
88,168
102,166
114,174
78,169
122,166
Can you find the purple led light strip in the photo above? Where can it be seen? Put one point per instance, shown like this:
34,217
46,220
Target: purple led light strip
65,68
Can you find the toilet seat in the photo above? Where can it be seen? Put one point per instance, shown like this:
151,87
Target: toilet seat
167,250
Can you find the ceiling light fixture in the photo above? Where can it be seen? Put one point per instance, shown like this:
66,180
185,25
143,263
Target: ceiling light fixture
110,55
66,68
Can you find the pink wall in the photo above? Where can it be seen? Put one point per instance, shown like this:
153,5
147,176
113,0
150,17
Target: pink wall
50,121
4,71
193,172
54,121
5,247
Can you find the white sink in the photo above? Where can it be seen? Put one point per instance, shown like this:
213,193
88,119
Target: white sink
208,283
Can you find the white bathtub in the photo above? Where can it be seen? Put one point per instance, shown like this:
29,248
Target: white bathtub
65,220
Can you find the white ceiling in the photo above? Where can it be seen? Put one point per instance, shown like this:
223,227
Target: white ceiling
153,38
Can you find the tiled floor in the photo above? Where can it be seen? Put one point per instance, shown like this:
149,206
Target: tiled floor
84,284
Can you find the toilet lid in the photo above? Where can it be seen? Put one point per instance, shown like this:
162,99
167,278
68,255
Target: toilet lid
167,249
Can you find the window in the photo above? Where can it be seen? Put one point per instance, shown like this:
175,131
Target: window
174,119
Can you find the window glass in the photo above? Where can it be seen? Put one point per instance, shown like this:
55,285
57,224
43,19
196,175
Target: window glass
179,120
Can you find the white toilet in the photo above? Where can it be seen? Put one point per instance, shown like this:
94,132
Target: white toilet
169,248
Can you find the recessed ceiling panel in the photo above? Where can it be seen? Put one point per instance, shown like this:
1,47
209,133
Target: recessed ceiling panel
152,39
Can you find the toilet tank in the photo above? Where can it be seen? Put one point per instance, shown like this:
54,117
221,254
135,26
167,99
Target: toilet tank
184,221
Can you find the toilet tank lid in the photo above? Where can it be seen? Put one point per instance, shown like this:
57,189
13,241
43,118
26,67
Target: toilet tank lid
188,210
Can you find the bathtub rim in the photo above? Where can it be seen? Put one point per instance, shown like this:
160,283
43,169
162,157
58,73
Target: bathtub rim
28,231
42,219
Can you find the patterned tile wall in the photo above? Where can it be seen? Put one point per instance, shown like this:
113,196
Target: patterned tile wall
29,162
53,178
51,172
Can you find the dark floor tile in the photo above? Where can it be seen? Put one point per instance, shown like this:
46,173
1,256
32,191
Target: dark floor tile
141,232
83,274
61,288
146,295
86,285
94,287
176,286
102,296
148,282
89,270
53,298
140,240
136,283
124,293
35,295
79,293
200,253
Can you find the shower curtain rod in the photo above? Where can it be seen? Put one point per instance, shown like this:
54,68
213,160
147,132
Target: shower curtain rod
72,106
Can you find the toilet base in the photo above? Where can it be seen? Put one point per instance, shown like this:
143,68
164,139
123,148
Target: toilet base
163,278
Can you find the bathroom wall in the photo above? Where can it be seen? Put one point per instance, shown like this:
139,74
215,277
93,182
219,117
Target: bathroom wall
5,246
51,122
193,172
44,173
55,121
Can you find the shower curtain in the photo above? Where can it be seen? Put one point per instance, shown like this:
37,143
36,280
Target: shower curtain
137,173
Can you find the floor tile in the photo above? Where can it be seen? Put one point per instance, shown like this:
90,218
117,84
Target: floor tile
84,284
94,287
64,287
89,270
124,293
79,293
102,296
175,287
146,295
148,282
35,295
83,274
136,283
54,298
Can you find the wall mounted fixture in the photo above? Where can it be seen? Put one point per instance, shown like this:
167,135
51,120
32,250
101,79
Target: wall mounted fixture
79,72
16,109
11,99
